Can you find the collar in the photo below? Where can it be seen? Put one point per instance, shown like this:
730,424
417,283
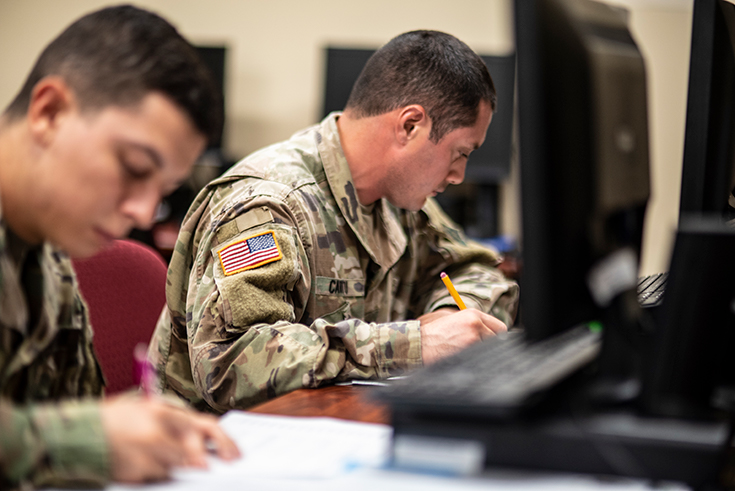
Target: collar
378,226
13,304
11,297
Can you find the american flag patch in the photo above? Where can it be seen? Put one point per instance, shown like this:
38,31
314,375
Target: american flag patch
249,253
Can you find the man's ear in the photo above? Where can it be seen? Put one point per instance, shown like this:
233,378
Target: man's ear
412,121
51,100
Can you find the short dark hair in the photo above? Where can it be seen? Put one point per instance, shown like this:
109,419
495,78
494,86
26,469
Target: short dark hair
430,68
117,55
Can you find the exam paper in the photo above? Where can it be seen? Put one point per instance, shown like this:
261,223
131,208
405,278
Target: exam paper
298,447
284,453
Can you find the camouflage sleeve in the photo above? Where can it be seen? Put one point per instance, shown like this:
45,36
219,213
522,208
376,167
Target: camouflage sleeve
471,267
249,335
52,445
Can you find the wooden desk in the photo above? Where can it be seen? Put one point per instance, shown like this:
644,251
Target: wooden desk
344,402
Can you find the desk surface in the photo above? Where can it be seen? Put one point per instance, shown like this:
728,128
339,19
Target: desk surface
354,403
344,402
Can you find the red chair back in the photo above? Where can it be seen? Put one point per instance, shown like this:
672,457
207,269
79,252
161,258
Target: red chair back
125,289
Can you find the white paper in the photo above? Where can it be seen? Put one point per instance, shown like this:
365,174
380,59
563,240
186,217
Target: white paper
283,453
300,447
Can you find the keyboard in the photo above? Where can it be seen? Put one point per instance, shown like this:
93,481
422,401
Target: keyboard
651,289
495,377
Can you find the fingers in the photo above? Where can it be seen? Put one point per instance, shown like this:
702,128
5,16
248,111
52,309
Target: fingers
195,450
444,335
224,447
139,470
493,324
149,437
199,433
485,325
149,461
167,453
140,447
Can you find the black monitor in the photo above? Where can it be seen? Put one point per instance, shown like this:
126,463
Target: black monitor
688,371
584,163
709,142
214,57
585,184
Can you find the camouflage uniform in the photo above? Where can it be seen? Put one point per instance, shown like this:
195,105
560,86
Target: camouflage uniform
324,288
46,359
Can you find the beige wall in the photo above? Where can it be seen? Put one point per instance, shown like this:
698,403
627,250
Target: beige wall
274,81
275,67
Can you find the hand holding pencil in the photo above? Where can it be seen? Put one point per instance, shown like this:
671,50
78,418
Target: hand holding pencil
147,437
446,331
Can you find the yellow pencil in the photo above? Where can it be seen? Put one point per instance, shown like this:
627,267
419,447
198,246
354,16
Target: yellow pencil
452,291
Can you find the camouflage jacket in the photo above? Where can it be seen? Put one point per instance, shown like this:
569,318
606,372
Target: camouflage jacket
281,279
46,360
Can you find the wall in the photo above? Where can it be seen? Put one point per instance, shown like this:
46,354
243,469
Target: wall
276,68
274,81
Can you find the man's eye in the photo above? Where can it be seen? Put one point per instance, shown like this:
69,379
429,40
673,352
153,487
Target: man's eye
135,171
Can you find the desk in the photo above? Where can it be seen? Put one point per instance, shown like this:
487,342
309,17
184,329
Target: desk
344,402
354,403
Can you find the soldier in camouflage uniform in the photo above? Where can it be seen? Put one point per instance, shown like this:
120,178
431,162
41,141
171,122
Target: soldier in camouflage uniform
114,113
318,259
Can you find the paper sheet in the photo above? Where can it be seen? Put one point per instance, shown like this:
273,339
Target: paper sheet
298,447
323,454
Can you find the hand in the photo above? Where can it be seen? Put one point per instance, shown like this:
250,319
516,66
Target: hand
446,331
148,437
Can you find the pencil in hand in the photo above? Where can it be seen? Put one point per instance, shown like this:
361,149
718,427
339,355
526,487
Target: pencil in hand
452,291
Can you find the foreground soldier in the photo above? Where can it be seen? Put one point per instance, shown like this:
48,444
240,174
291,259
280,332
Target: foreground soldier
112,117
318,258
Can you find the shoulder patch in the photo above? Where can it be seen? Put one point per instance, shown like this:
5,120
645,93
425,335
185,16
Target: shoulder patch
249,253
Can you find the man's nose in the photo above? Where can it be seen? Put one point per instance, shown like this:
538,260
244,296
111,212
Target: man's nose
456,174
141,204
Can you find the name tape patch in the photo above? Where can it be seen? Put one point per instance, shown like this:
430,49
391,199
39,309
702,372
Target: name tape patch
249,253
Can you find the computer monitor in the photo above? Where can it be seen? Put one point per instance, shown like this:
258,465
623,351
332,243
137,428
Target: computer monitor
584,163
214,57
709,142
688,370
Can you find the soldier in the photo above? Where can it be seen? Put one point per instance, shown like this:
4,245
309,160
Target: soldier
318,259
113,115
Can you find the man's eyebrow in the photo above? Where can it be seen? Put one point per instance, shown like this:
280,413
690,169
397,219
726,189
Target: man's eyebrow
155,156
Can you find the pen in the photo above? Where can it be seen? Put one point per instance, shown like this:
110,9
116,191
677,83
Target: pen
452,291
143,371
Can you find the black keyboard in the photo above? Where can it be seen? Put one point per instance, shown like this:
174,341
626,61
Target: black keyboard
497,376
651,289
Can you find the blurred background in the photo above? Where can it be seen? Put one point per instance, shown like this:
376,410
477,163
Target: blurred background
275,56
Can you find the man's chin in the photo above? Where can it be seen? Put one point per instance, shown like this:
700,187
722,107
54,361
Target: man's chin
418,206
409,206
79,250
